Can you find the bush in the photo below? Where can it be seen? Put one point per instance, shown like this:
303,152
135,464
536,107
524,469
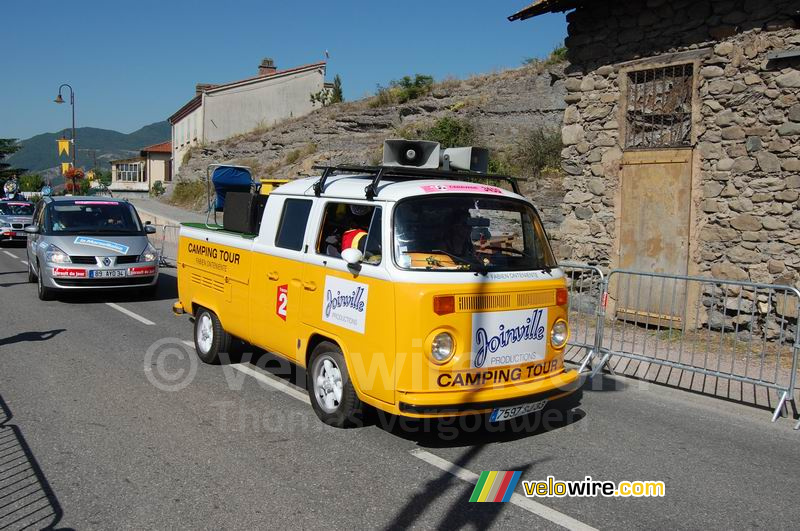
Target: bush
190,194
31,183
157,190
538,150
403,90
450,132
558,55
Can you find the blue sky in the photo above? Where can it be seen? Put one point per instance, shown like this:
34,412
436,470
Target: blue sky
134,63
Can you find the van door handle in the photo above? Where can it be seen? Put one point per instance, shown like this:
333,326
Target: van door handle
309,286
273,275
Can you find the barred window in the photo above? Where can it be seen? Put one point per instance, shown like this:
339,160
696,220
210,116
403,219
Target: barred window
659,107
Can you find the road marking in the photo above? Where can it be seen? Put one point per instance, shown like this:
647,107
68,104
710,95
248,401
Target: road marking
130,314
272,381
24,262
517,499
12,255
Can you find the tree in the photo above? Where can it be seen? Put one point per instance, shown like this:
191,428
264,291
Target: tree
8,146
337,96
31,183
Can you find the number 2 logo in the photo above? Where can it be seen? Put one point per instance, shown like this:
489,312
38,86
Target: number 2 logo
283,300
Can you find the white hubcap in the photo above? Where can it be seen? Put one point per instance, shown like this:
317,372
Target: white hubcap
327,383
205,333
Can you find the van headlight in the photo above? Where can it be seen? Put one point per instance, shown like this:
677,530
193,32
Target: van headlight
559,334
442,347
54,255
149,254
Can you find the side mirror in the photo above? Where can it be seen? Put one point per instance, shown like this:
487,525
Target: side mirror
32,229
148,222
353,257
149,229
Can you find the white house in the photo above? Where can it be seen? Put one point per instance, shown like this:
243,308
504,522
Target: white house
221,111
135,176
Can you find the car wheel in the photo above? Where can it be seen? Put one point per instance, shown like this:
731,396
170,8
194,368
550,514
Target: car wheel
31,274
45,293
333,396
210,339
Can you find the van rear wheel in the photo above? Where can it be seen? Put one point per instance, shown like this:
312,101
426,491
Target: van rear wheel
210,339
333,396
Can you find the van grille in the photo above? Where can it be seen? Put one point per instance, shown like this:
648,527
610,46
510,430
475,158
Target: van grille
505,301
207,282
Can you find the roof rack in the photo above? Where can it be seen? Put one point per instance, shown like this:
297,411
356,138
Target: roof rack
405,172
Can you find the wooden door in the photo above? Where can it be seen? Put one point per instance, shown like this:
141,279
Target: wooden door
654,234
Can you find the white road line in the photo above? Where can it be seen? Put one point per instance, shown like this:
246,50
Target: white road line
130,314
272,381
517,499
12,255
24,262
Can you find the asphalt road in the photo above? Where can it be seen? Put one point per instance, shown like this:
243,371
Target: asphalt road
91,437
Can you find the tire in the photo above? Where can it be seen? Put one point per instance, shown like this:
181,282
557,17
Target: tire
44,293
210,339
330,389
31,274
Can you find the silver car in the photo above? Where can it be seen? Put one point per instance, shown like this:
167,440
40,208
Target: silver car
14,217
89,243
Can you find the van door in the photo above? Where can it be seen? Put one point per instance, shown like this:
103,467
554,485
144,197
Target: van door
353,305
277,275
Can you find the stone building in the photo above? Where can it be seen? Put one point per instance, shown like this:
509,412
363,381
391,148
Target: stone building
681,136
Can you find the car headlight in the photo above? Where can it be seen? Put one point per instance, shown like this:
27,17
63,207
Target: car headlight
5,224
559,334
54,255
149,254
442,347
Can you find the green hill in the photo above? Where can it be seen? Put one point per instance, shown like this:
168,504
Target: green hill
39,153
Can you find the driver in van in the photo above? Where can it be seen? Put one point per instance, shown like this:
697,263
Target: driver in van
458,239
356,236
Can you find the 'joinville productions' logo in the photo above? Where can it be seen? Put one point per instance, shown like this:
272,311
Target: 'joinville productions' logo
354,301
532,330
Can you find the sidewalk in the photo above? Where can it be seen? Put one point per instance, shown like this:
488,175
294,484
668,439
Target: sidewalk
166,218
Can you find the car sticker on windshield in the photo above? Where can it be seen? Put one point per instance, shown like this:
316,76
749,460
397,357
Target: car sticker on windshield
102,244
96,203
430,188
345,303
508,338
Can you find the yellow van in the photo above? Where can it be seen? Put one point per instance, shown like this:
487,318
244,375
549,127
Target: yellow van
417,290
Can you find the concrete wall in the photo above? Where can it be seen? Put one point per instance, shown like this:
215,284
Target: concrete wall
157,167
259,103
186,133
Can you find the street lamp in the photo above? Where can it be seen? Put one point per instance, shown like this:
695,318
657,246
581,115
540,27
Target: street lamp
59,99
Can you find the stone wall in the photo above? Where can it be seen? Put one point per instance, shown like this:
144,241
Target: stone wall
747,123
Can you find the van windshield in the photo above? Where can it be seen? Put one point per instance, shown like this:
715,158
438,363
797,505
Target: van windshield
469,233
93,217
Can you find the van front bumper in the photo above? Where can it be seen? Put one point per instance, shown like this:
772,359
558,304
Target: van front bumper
455,403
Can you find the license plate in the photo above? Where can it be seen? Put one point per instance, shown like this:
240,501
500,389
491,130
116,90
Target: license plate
505,413
107,273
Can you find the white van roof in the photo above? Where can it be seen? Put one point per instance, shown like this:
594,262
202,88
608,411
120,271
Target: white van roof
390,188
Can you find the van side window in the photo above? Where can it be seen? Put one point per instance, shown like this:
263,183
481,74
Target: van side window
292,227
346,225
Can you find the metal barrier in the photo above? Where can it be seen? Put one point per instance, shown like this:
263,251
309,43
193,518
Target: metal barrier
167,246
732,330
585,284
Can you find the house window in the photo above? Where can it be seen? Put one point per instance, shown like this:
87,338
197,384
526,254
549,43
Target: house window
659,108
129,172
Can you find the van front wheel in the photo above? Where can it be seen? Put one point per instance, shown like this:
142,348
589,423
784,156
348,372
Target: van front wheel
332,394
210,339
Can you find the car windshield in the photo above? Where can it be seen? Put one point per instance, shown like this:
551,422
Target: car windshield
470,233
16,209
92,217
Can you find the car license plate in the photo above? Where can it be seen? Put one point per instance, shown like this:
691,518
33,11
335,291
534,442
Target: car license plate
505,413
107,273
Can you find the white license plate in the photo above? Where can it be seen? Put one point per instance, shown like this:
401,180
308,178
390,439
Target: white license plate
505,413
107,273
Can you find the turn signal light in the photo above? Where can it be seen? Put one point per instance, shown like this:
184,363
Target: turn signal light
444,304
561,297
